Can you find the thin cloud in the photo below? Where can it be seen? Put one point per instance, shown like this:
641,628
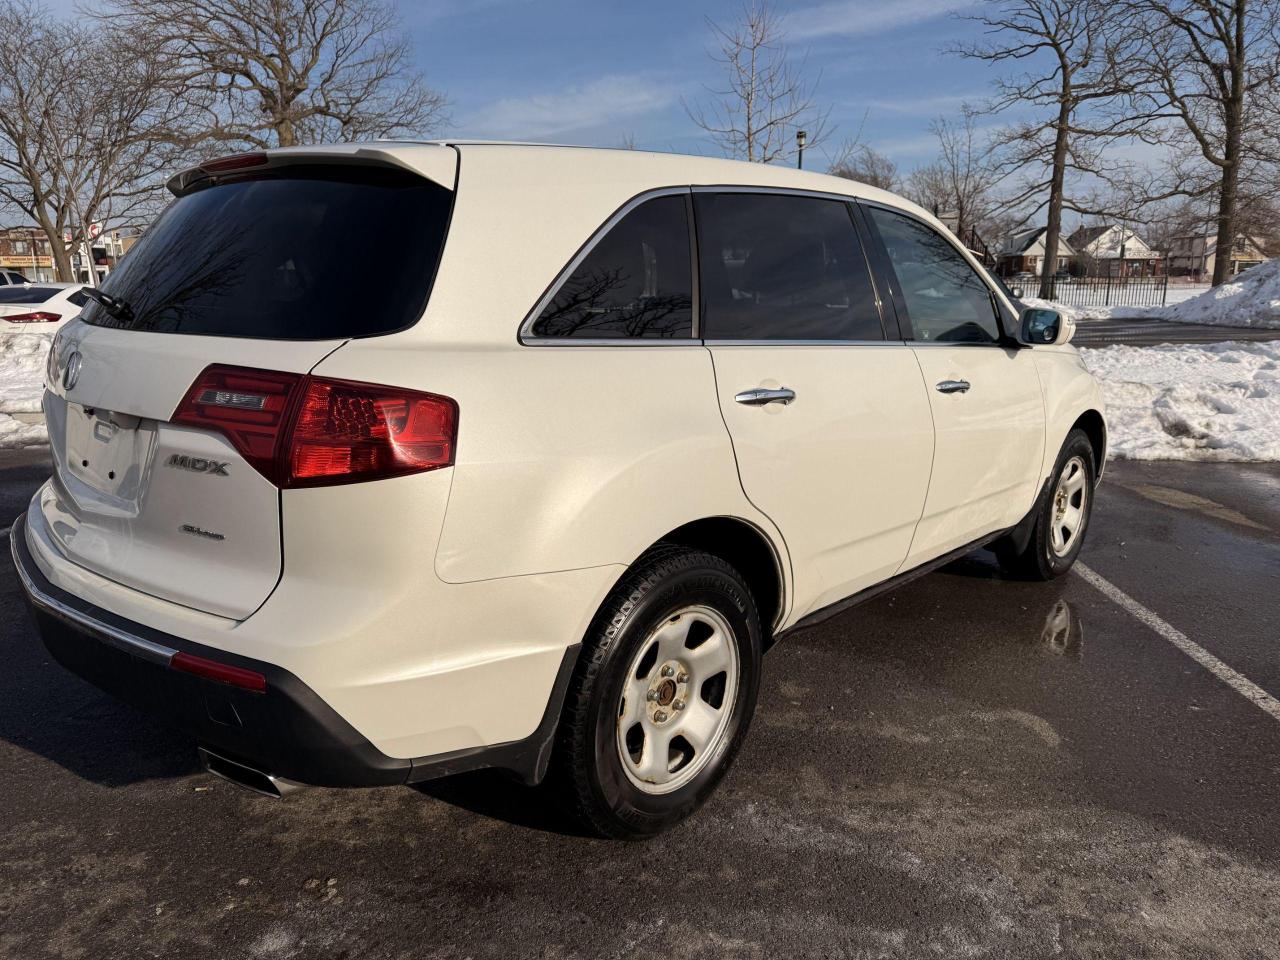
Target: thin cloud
853,18
595,104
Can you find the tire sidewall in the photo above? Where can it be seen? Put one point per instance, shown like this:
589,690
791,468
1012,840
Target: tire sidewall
1076,445
643,813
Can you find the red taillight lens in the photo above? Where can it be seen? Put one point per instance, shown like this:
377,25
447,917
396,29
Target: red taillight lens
222,672
39,316
302,431
237,161
357,431
249,407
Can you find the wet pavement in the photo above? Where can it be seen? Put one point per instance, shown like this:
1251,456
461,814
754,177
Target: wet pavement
965,767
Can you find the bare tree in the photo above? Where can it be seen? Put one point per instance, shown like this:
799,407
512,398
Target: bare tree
1073,59
866,165
283,72
1213,66
85,134
962,181
755,116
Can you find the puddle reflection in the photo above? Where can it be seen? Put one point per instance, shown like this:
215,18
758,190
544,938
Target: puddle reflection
1063,632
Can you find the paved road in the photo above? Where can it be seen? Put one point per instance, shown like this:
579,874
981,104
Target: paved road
1141,333
966,767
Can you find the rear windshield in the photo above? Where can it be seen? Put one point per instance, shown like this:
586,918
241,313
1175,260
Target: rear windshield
305,253
27,294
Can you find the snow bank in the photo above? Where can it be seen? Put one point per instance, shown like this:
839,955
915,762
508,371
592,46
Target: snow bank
22,357
1218,401
1251,300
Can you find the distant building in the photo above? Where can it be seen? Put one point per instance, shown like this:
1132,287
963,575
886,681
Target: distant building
1024,253
1115,251
27,250
1195,255
970,237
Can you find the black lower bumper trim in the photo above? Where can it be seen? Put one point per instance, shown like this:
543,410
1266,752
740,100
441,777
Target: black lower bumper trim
287,732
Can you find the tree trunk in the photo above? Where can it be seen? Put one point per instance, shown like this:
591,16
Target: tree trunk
1057,182
1228,193
57,250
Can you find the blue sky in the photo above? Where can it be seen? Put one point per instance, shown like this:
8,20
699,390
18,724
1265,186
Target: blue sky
576,71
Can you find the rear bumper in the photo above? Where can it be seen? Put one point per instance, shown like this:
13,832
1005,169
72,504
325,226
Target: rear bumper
287,731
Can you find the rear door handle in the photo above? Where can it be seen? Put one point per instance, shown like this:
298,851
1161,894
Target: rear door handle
760,396
953,386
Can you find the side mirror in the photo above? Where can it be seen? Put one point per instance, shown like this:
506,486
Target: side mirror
1038,327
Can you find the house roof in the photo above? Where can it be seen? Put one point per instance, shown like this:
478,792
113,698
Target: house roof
1101,243
1022,242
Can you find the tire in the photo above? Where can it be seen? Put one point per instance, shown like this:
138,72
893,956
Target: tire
621,761
1049,552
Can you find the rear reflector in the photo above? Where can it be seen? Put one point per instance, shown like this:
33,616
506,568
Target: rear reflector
304,431
39,316
221,672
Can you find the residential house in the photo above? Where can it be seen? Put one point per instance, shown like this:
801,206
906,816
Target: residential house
1195,255
1115,251
1024,253
26,250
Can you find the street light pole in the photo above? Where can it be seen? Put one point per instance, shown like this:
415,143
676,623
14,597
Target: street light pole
801,137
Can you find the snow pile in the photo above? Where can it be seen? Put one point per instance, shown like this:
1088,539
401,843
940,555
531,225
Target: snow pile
1218,401
22,357
1252,299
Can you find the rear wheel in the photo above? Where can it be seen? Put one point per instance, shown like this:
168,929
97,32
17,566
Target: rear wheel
662,696
1062,517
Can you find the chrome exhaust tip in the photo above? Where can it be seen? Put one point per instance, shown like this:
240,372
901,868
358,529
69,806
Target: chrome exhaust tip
245,776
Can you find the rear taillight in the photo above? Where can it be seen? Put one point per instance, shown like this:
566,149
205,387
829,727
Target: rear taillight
304,431
39,316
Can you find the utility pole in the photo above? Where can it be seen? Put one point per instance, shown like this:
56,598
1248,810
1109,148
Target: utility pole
801,137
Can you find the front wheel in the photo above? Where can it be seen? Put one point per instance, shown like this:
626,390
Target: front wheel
662,696
1062,516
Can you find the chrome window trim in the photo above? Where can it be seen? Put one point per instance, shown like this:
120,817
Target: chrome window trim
528,338
112,636
804,343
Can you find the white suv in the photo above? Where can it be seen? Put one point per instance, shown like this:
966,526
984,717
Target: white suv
593,429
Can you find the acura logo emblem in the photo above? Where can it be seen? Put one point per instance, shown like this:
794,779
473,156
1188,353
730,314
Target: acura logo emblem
72,371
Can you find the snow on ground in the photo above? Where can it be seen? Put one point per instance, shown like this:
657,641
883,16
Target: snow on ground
1218,401
1251,300
22,357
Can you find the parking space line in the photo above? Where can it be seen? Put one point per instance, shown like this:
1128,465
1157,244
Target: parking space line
1237,681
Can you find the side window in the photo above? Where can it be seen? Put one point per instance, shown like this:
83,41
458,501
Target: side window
635,282
78,298
778,267
946,299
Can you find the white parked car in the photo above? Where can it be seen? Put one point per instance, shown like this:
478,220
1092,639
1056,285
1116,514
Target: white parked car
608,426
11,277
39,307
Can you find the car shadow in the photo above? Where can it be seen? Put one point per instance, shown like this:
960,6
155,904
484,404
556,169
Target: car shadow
494,794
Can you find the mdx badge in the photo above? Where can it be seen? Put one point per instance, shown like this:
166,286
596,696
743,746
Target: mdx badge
198,465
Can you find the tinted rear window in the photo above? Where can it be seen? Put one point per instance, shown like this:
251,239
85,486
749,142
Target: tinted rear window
23,294
783,267
271,256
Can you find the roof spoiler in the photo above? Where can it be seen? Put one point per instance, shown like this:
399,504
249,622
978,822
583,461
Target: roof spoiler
437,163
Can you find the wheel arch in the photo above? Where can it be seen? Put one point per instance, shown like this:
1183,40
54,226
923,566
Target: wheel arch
749,550
1095,428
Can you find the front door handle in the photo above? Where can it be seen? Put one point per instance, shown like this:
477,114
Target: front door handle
953,386
760,396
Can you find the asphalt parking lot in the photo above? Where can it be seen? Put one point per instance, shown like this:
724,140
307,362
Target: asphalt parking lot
968,767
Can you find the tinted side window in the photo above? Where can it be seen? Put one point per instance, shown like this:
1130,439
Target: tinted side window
635,282
777,267
946,299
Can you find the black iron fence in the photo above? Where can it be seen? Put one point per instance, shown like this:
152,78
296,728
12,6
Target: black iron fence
1106,291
